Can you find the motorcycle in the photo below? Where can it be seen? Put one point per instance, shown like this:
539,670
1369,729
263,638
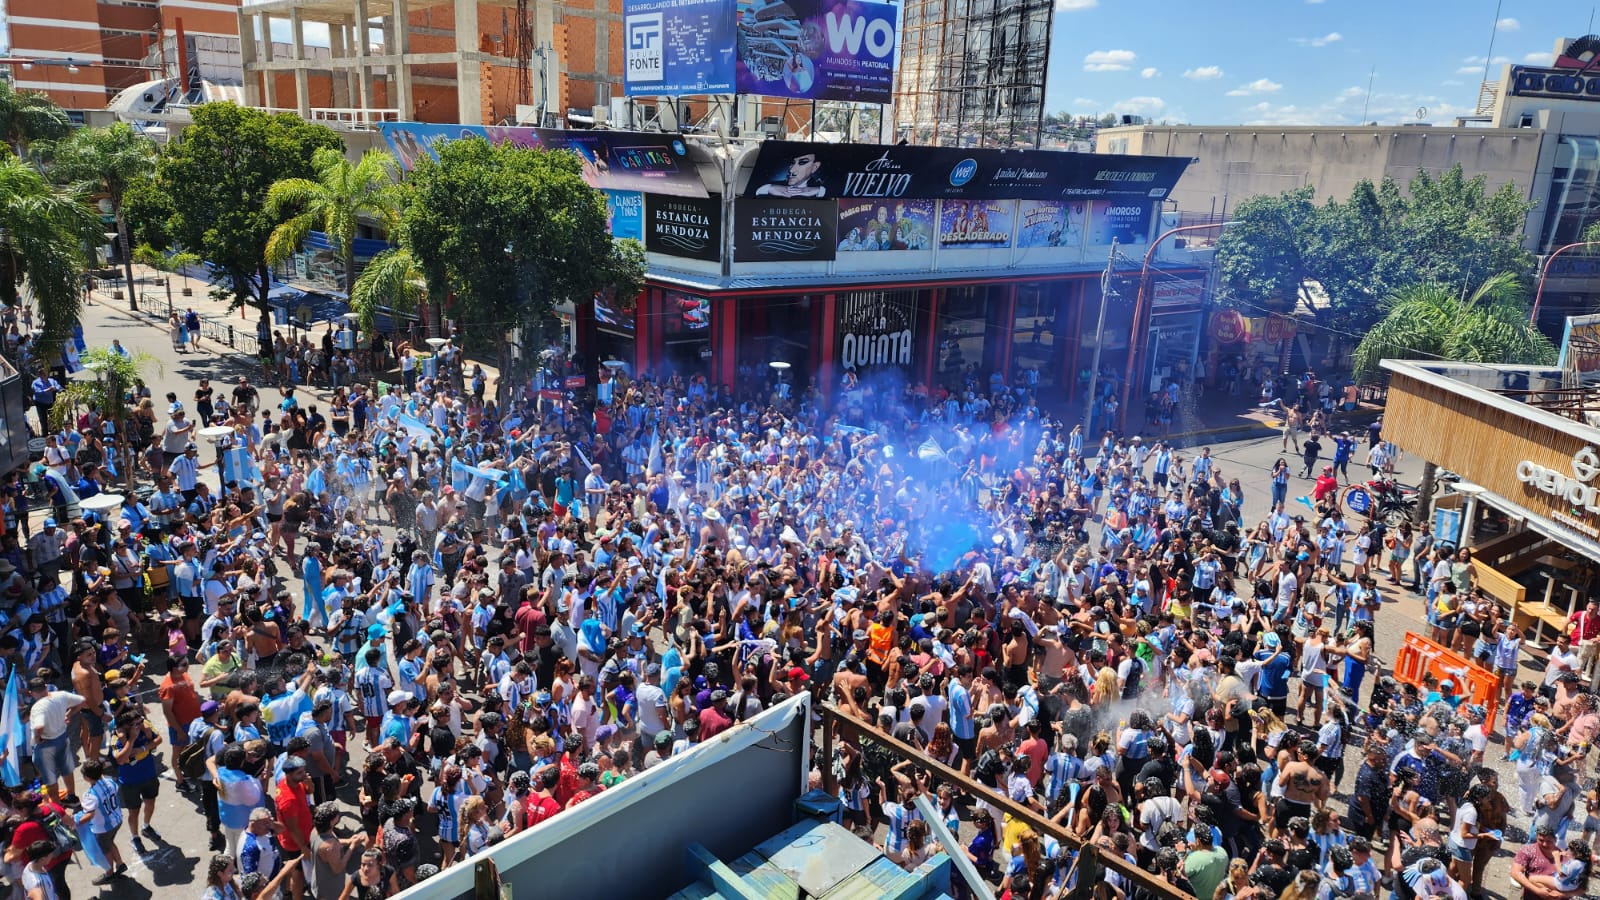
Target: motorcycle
1382,499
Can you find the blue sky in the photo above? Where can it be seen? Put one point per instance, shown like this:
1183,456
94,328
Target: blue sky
1293,62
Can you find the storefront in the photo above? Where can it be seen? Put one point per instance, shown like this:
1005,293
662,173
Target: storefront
1529,500
938,267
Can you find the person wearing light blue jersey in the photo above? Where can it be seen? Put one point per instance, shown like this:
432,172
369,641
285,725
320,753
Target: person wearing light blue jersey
282,704
962,727
311,575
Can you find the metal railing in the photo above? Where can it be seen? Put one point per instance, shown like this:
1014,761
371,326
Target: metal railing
848,726
242,339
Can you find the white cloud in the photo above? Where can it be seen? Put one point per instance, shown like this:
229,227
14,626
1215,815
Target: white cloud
1075,5
1323,41
1204,73
1473,65
1539,59
1313,1
1452,82
1085,103
1352,91
1150,72
1259,86
1109,61
1507,24
1139,106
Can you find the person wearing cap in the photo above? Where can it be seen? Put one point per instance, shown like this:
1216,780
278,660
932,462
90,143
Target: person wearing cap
653,716
44,553
206,728
133,746
715,719
293,804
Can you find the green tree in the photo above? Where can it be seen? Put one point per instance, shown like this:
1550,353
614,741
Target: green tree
393,279
106,162
215,177
335,200
28,116
506,232
1442,228
1436,321
107,393
43,233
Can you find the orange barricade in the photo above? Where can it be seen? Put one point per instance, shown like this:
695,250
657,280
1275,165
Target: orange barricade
1419,656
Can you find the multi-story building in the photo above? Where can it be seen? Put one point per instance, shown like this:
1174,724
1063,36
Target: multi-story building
435,61
82,52
1537,128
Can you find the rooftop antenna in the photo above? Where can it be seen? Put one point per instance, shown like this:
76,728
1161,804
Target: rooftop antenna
1368,102
1493,29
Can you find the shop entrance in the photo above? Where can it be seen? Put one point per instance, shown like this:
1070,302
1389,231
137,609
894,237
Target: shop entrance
775,330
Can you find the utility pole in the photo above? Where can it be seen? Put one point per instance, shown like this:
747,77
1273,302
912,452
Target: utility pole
1099,340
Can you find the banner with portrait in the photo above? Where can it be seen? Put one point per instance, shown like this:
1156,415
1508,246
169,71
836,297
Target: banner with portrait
885,225
976,223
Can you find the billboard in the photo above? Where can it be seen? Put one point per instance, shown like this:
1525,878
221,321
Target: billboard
818,49
781,230
844,171
625,214
684,226
1128,222
1051,223
885,225
675,47
876,328
976,223
656,163
685,313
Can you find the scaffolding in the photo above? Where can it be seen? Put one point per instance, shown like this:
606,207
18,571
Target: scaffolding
972,72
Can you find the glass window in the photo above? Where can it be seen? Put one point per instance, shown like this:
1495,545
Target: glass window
1036,336
1574,201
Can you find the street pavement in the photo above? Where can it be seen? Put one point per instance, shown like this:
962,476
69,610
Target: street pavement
178,860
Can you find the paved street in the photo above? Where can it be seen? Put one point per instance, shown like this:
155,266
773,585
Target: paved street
178,860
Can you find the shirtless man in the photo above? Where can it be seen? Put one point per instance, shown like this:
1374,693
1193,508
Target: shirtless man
852,675
998,733
986,691
92,716
1304,786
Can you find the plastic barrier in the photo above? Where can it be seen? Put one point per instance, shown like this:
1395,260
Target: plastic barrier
1420,656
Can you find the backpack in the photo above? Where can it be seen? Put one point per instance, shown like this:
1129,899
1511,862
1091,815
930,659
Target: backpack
1130,687
192,756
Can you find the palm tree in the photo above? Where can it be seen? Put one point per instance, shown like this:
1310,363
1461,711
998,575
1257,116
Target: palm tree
107,393
42,236
335,200
393,279
28,116
106,162
1434,321
170,262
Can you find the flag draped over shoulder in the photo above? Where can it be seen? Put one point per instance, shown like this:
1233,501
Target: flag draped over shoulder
12,733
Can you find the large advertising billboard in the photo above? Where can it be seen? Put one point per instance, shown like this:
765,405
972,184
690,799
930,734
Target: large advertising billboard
886,225
784,230
1051,223
845,171
684,226
675,47
1127,222
656,163
625,214
818,49
976,223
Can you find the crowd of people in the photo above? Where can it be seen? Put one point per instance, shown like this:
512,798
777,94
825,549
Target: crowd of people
421,604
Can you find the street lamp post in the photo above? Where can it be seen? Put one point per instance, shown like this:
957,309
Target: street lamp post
1141,312
1544,270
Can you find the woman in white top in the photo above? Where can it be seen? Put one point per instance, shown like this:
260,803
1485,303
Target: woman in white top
1313,675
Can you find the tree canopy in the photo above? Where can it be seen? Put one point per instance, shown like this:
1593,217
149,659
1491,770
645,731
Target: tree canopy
506,232
45,231
105,162
1436,321
214,180
1445,229
335,201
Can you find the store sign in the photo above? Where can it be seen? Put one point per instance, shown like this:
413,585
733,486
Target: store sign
681,226
1553,84
780,230
870,171
654,162
976,223
1575,489
875,330
676,47
1177,292
818,49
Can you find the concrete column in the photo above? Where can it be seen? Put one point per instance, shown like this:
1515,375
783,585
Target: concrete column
469,92
361,34
340,78
302,85
269,85
247,58
400,78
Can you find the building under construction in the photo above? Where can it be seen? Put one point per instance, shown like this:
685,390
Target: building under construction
483,63
972,72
